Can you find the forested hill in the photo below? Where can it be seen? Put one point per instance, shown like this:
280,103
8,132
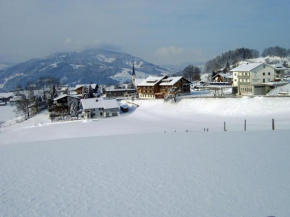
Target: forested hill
230,58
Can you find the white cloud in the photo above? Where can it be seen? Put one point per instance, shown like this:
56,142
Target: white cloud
84,44
169,51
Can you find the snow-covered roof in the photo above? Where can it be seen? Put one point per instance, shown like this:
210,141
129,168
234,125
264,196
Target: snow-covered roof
151,81
93,86
246,67
225,75
278,67
65,95
138,81
170,81
121,90
99,103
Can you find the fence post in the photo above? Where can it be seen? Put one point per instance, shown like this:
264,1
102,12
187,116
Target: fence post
273,124
245,126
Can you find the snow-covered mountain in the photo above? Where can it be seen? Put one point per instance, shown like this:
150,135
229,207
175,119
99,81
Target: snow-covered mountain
98,66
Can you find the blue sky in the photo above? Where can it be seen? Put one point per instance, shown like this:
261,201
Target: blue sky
161,32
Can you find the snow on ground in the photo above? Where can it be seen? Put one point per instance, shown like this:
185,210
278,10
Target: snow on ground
76,66
128,165
273,59
126,74
155,116
167,174
101,57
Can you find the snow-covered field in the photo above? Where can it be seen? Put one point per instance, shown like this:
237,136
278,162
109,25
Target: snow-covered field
129,165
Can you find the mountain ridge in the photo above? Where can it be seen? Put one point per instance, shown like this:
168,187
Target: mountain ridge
91,65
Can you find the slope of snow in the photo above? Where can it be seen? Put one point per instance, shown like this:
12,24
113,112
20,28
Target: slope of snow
76,66
129,165
126,74
167,174
101,57
155,116
9,78
270,59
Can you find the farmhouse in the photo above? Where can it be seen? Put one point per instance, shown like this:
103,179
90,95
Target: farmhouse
79,88
157,87
226,77
180,85
100,107
255,78
63,102
149,88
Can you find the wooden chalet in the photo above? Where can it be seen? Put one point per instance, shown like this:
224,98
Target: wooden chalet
149,88
223,77
180,84
79,88
63,102
157,87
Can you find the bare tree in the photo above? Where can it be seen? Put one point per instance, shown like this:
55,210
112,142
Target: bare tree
22,107
191,72
172,93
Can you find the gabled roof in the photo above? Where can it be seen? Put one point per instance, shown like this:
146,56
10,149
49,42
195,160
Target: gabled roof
99,103
246,67
151,81
93,86
138,81
224,75
65,95
171,81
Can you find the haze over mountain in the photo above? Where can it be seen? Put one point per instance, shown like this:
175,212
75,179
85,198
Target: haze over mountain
93,65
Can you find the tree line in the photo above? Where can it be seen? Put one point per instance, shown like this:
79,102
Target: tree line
276,51
230,58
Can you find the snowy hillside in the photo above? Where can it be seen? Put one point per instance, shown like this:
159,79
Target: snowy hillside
98,66
129,165
270,60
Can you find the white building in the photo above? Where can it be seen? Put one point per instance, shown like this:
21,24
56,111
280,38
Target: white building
255,78
99,107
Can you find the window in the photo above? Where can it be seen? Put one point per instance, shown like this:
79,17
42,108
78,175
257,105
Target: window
269,73
235,80
263,80
268,79
263,73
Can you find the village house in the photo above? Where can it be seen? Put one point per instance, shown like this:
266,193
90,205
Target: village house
120,93
180,85
157,87
63,102
255,78
149,88
100,107
224,77
79,88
